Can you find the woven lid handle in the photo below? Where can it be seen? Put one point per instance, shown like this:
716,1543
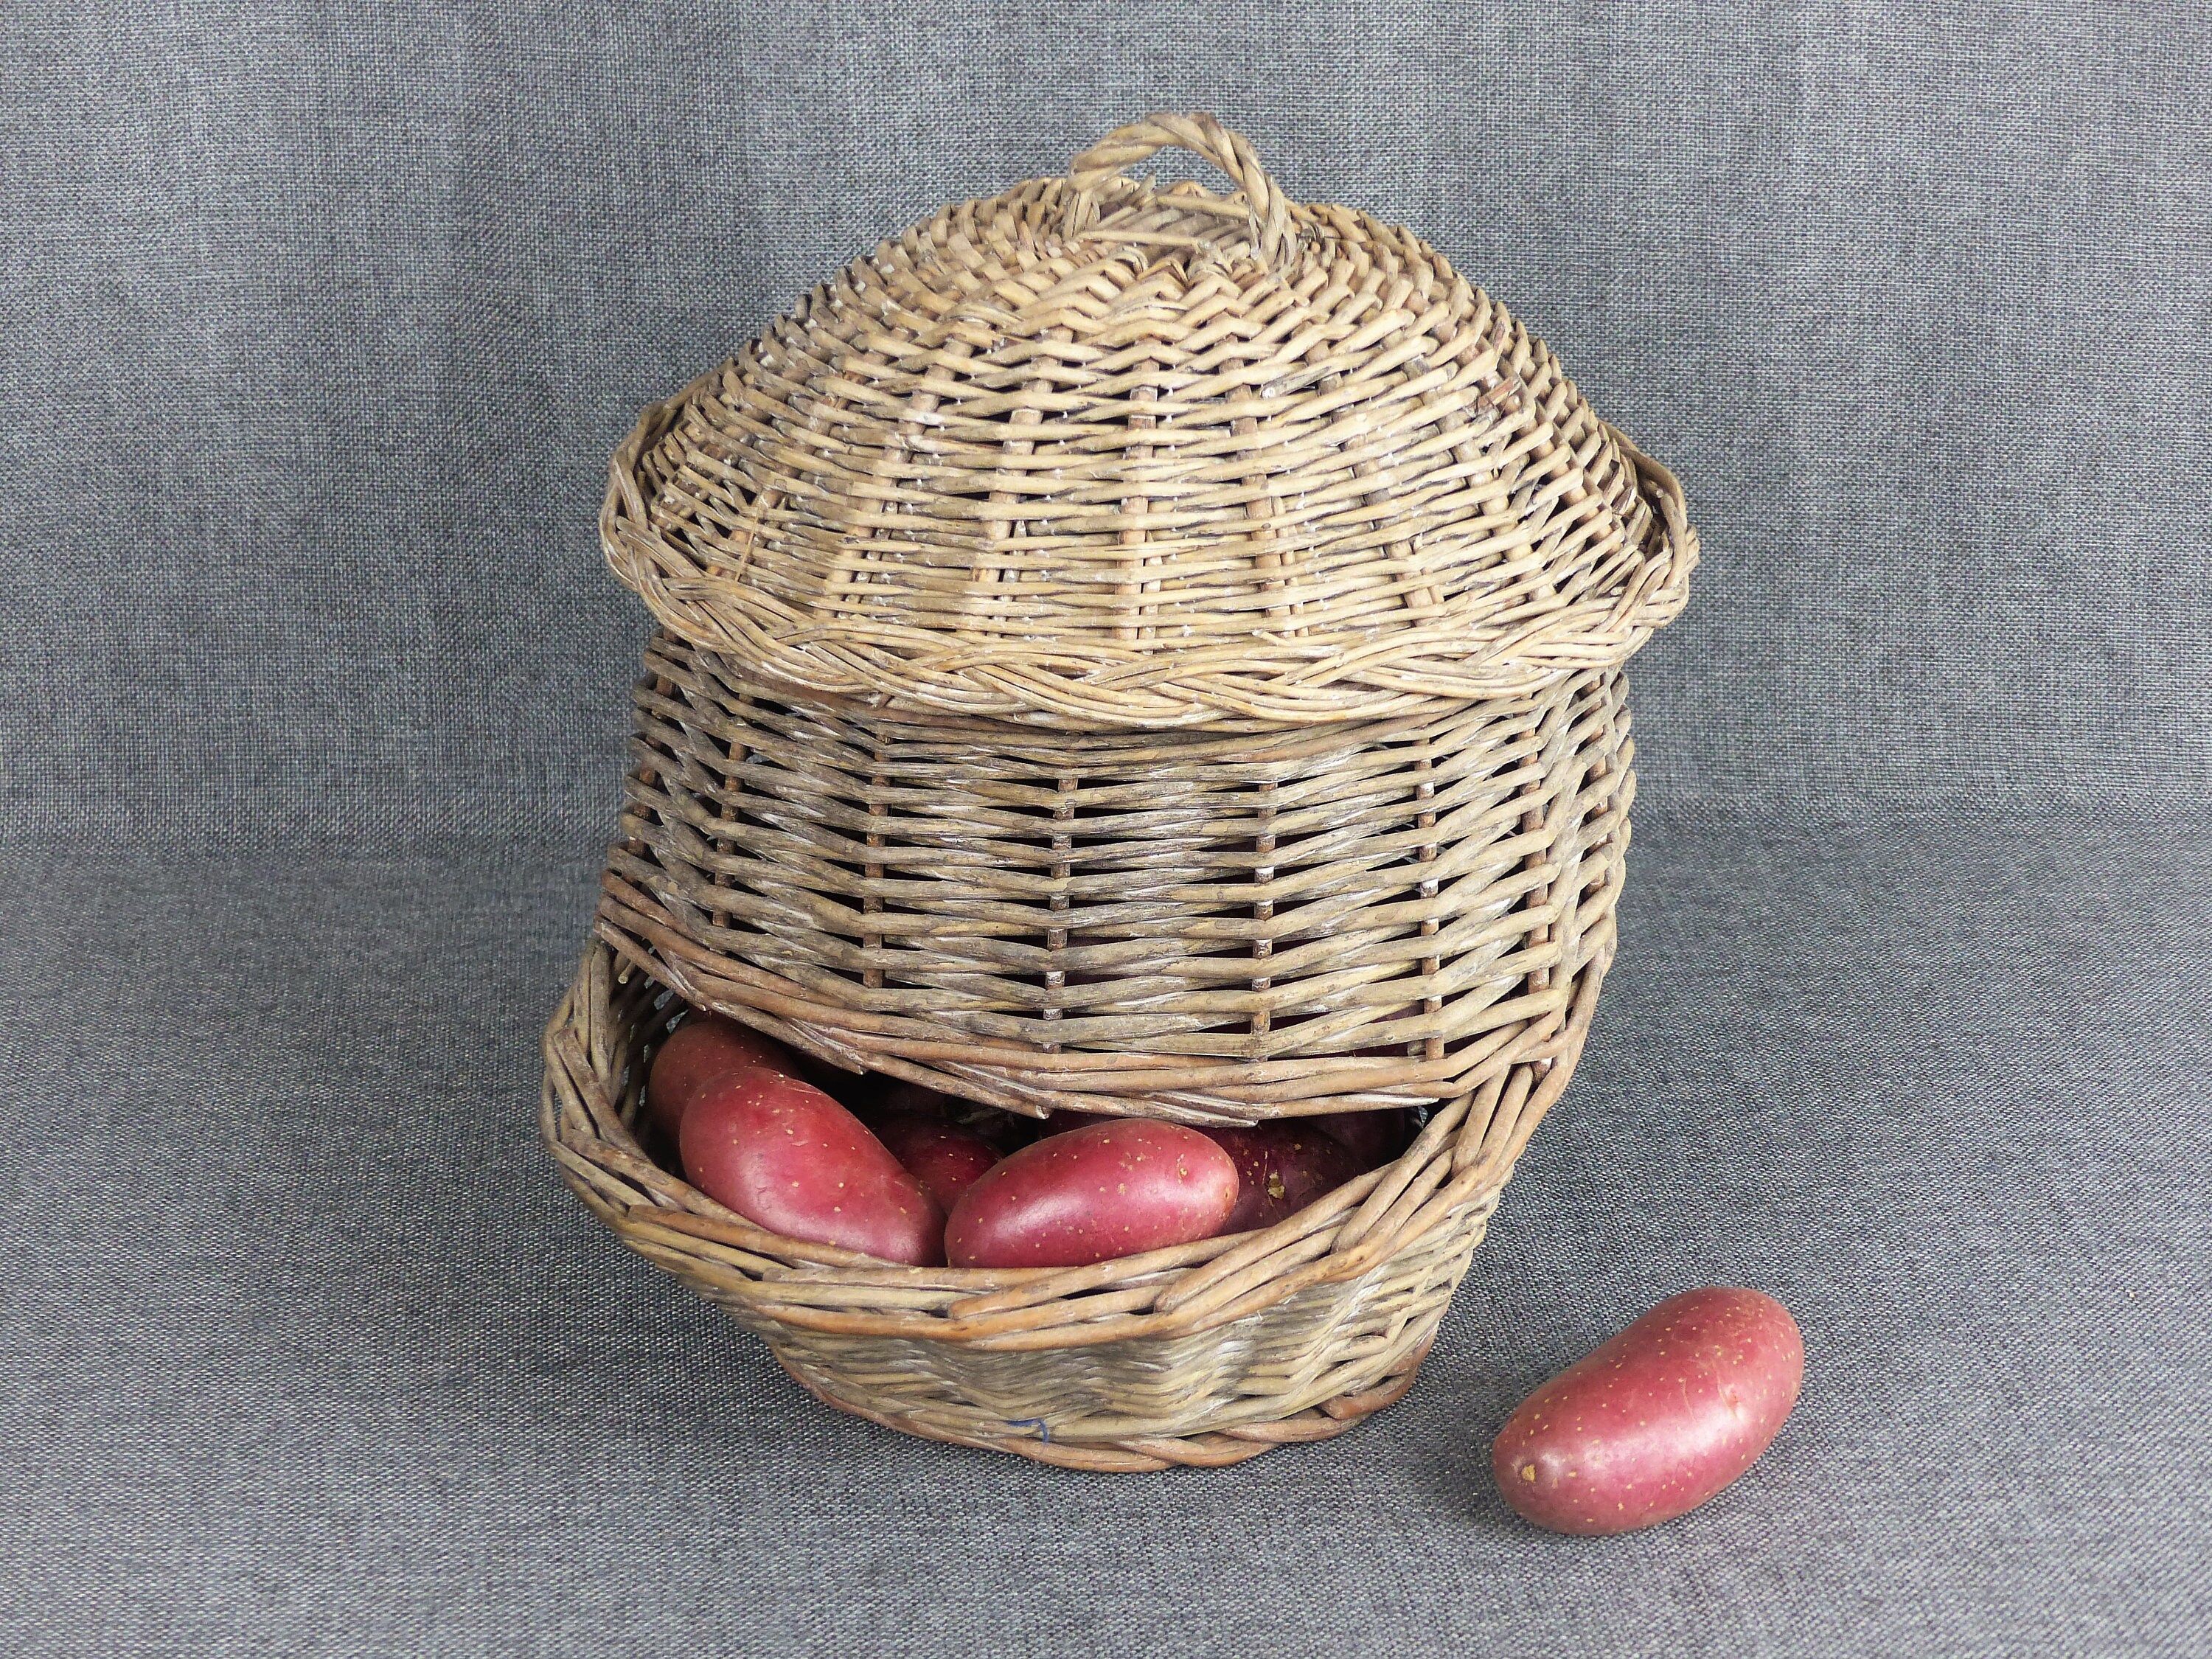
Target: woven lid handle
1203,135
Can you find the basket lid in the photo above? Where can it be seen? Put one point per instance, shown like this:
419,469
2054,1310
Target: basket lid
1096,454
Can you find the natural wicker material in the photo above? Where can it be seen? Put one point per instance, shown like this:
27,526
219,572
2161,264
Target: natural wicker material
1092,455
1137,652
1210,927
1205,1354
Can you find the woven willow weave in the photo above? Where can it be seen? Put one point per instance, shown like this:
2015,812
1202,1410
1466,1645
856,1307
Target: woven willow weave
1214,927
1140,652
1204,1353
1091,454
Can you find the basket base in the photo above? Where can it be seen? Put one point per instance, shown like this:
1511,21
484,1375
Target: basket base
1144,1454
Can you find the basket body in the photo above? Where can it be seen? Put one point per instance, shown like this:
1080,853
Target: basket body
1212,928
888,896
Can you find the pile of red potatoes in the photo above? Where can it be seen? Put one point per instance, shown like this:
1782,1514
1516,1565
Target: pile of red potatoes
915,1176
1653,1423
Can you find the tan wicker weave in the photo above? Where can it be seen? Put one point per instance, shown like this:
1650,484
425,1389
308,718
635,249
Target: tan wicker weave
1209,927
1136,651
1091,454
1205,1354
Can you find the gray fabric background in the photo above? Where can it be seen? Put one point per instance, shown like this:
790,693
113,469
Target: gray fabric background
316,326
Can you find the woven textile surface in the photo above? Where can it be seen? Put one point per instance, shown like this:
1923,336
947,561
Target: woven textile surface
306,1351
317,327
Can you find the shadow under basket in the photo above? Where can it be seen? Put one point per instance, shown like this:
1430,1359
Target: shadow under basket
1202,1354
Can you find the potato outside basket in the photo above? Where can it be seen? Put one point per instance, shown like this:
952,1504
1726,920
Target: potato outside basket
1148,652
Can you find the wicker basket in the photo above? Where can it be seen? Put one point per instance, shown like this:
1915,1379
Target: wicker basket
1142,652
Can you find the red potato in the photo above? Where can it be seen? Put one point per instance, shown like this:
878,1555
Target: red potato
783,1154
947,1161
880,1097
1375,1138
998,1129
1657,1419
1112,1189
1281,1167
705,1048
